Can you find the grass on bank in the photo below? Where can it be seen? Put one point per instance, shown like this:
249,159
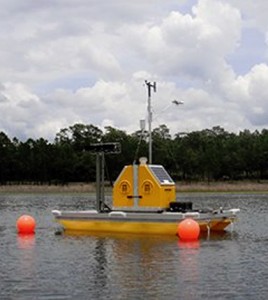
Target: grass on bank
181,187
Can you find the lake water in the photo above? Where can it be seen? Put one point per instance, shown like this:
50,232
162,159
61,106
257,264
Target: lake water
233,265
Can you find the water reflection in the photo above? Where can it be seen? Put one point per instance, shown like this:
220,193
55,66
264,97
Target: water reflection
131,262
99,266
26,264
189,267
218,236
26,241
142,265
188,245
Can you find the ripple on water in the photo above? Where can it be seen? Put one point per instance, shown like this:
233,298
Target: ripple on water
48,266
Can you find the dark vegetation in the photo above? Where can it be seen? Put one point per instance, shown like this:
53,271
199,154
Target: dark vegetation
206,155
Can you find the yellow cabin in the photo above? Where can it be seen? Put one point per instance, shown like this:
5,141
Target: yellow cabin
143,187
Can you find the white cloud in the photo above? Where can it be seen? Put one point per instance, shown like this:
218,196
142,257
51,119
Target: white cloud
86,61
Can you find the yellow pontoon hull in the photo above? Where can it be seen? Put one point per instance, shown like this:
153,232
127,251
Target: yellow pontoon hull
164,226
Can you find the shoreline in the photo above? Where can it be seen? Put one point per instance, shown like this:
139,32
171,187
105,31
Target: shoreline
181,187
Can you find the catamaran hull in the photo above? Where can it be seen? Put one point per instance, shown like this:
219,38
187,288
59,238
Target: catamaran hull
141,223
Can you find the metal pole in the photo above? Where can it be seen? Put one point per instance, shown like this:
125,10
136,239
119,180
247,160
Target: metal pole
98,192
149,86
102,181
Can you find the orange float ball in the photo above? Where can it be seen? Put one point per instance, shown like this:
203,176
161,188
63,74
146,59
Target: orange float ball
26,224
188,230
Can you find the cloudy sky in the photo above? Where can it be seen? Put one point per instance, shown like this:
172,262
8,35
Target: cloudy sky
69,61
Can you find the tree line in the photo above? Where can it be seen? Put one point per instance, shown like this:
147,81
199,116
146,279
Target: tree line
206,155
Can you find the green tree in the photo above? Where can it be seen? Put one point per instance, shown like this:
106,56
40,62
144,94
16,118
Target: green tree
163,147
7,163
128,150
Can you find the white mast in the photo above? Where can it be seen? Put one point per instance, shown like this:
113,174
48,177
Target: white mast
149,87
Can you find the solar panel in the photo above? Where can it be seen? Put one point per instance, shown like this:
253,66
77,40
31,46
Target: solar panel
161,174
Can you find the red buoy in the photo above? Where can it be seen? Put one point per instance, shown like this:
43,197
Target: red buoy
188,230
26,224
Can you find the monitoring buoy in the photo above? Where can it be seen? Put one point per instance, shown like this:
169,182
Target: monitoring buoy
26,224
188,230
